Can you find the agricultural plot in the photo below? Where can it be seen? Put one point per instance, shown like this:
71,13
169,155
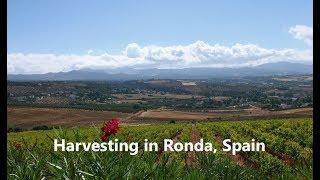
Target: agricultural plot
218,115
288,152
31,117
140,96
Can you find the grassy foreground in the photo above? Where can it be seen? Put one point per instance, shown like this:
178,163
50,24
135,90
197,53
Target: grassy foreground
288,154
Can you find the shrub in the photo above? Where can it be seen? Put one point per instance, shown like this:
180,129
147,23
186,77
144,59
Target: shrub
14,129
43,127
172,122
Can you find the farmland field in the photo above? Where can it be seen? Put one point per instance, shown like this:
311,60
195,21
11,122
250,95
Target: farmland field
288,155
277,112
30,117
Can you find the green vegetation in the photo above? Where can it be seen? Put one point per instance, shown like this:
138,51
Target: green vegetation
272,93
125,108
288,154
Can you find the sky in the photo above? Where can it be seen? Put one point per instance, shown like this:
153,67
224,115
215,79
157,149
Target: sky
55,35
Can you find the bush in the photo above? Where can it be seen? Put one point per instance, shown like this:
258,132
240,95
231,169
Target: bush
172,122
43,127
14,129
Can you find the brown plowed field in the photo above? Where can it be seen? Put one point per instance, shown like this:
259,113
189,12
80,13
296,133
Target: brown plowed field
251,113
31,117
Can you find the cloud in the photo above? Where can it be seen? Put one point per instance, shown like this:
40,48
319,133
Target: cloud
133,50
198,54
90,51
302,32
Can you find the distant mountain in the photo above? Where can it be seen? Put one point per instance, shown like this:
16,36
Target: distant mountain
281,68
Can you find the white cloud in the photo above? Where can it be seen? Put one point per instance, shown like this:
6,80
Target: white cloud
302,32
90,51
133,50
198,54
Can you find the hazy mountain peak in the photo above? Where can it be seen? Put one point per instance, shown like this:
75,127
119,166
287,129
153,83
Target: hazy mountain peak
281,68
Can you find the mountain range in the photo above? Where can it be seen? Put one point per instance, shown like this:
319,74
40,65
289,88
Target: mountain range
269,69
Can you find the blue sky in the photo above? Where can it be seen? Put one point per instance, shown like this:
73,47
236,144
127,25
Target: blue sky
77,26
45,26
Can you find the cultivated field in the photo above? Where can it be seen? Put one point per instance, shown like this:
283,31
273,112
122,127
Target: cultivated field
288,153
153,96
28,118
31,117
215,115
168,114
